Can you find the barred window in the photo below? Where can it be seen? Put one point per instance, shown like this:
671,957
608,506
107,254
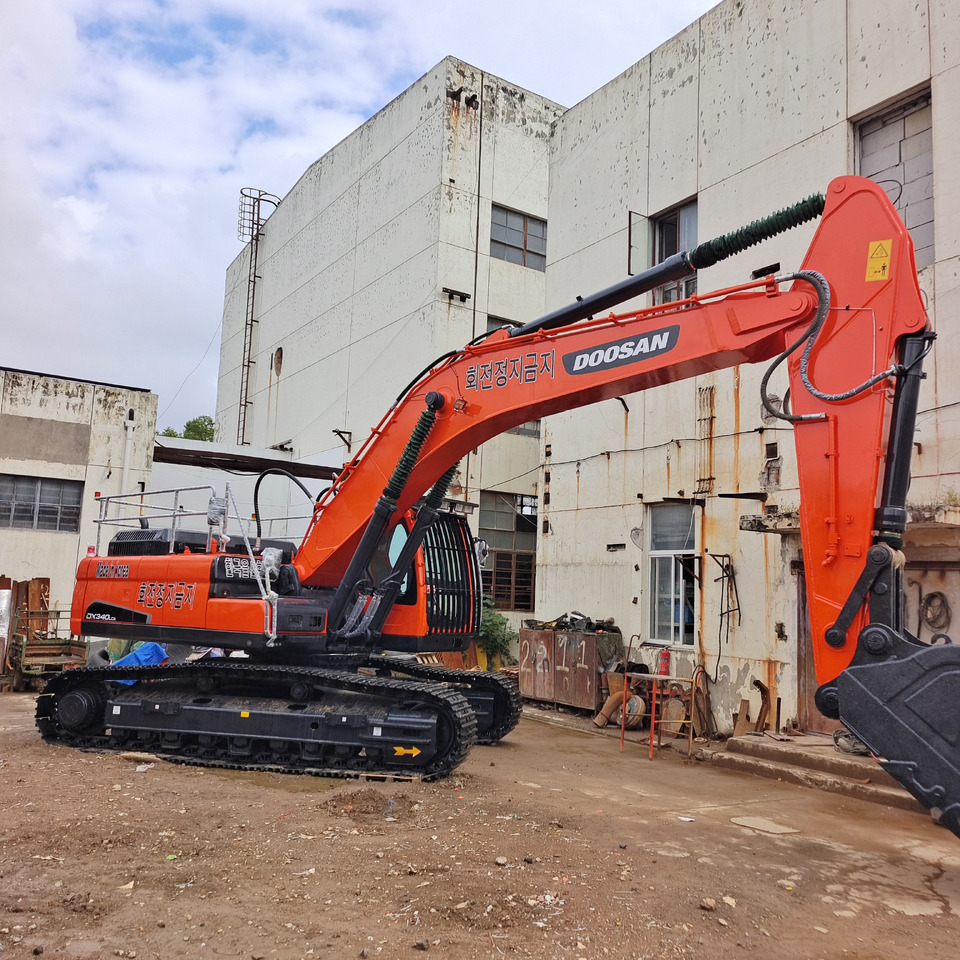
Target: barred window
40,503
508,522
895,148
508,578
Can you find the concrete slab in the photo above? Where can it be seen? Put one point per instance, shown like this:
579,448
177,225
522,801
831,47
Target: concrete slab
806,760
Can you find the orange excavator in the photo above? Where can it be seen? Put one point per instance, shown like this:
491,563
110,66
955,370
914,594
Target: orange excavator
383,567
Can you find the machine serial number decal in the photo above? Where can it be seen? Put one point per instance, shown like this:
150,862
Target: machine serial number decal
242,568
499,373
618,353
109,570
157,595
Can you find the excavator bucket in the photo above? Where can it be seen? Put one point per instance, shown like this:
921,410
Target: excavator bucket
907,711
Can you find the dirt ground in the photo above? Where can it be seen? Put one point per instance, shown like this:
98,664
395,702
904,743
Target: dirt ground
553,844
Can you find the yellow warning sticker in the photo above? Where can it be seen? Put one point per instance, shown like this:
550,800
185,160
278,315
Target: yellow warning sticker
878,260
244,713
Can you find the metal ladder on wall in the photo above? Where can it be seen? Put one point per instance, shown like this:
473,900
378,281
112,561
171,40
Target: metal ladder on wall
250,228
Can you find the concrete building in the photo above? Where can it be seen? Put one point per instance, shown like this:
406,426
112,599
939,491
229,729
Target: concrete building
429,223
403,242
63,443
753,107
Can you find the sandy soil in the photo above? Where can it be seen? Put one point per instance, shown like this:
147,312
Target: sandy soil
554,844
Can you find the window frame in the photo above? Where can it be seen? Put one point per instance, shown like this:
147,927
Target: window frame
504,239
680,577
685,238
382,563
519,590
509,573
529,428
38,503
910,173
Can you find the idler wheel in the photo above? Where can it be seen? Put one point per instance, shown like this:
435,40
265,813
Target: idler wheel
81,709
301,690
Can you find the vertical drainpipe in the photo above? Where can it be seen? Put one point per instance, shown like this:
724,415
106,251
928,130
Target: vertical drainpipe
701,589
128,427
476,239
476,258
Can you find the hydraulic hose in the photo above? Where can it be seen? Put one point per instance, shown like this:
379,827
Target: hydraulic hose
822,287
383,512
278,471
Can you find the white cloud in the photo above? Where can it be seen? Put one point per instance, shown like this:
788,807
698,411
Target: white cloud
128,127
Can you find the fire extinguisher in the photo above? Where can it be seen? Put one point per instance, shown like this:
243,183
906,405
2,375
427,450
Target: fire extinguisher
663,663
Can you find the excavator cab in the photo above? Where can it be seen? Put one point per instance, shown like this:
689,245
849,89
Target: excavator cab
439,602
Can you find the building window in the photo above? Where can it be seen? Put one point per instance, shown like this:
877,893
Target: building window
672,573
508,522
529,429
40,503
518,238
674,231
896,150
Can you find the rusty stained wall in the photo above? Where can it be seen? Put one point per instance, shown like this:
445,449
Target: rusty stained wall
354,260
748,109
43,440
45,419
932,576
69,430
594,555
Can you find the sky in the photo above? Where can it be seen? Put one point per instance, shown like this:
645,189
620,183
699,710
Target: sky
129,127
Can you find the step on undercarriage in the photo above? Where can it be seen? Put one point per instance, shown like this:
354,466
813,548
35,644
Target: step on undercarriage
248,716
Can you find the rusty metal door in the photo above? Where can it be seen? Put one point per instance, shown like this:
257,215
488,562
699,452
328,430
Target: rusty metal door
575,672
537,658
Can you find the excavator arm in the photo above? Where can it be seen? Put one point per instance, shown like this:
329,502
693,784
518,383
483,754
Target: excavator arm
851,326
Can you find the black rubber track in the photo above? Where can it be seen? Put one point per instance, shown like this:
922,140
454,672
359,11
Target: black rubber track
450,705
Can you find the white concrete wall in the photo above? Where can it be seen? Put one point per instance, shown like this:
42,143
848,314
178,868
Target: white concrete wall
354,260
76,432
747,110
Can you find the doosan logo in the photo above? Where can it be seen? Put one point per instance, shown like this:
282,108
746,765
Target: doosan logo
621,352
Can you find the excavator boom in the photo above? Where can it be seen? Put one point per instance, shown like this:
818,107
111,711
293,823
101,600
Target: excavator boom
850,327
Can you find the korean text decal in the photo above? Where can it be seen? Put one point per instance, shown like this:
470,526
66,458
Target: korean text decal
157,595
495,374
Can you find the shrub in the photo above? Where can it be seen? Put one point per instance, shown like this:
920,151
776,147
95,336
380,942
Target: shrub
495,636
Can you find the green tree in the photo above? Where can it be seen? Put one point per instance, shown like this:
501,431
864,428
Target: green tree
199,428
